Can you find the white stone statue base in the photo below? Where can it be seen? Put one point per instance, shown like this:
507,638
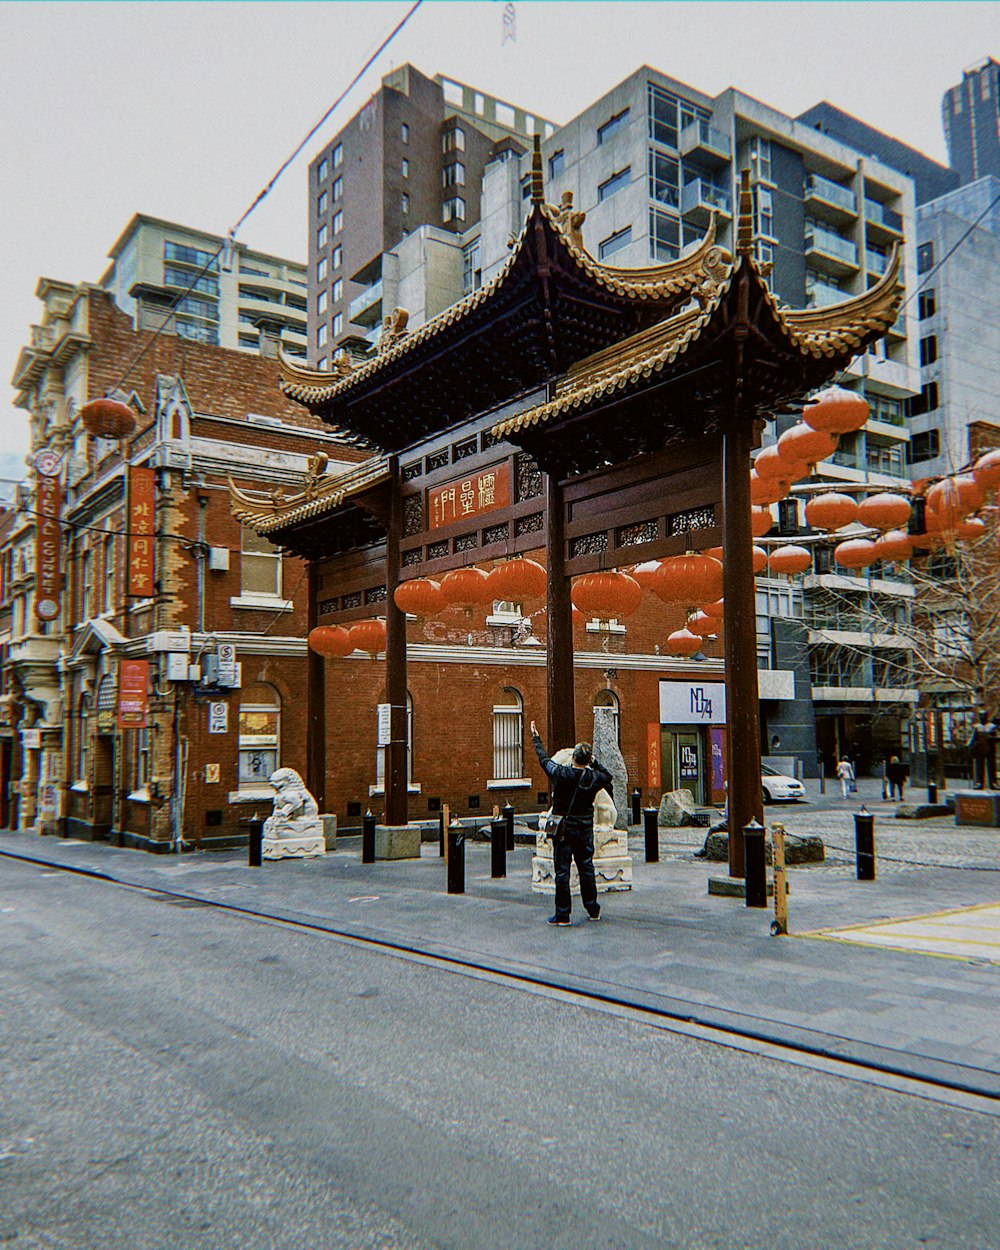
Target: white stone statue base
612,862
294,848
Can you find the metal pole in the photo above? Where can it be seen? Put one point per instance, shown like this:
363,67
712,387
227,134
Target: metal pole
255,842
864,843
780,922
368,839
636,806
932,792
456,859
508,815
441,831
498,847
755,865
652,834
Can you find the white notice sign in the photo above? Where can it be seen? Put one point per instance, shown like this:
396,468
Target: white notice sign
384,721
692,702
218,718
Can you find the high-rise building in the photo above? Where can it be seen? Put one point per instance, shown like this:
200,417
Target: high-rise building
227,295
971,115
957,310
413,156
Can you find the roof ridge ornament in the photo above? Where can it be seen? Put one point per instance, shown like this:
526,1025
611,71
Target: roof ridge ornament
537,181
569,220
744,229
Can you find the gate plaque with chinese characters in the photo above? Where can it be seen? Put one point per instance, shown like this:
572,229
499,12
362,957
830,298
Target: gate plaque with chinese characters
484,491
141,508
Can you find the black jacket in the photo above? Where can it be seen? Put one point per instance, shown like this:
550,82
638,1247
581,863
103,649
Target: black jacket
574,789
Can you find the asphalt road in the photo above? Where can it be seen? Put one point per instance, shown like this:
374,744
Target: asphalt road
179,1078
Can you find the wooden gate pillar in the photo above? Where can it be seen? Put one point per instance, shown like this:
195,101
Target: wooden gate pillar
559,616
315,702
395,661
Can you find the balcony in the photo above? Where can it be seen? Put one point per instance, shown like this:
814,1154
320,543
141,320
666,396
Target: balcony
883,224
875,262
830,200
898,328
820,293
830,252
366,309
704,143
700,199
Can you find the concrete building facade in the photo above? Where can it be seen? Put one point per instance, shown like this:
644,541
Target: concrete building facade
970,112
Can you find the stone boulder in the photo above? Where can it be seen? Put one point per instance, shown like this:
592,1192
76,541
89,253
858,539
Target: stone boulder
807,849
677,809
608,752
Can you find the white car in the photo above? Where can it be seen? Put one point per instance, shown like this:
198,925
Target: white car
777,788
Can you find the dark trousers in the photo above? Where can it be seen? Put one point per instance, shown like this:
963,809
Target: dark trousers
578,846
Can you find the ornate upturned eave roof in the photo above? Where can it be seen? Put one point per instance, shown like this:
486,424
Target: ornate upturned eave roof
286,518
549,306
688,360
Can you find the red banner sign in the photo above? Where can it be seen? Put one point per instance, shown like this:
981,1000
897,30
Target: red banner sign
484,491
653,756
48,548
133,694
141,516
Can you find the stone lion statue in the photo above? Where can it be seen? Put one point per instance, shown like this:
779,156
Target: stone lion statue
295,809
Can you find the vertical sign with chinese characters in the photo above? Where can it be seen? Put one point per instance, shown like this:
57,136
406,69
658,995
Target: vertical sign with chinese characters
141,516
48,543
133,694
653,756
468,497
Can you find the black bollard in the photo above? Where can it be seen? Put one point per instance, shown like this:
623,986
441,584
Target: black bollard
508,814
636,806
498,847
456,859
652,832
441,834
931,792
254,842
754,859
368,839
864,843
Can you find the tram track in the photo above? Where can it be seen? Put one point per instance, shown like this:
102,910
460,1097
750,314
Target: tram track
957,1085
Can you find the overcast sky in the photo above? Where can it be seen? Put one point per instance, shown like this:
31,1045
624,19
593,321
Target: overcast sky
185,110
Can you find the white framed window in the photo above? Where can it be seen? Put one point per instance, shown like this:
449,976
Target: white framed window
260,565
321,302
338,156
608,698
322,169
338,221
338,323
405,202
141,768
405,166
322,334
87,585
337,190
321,270
259,734
108,596
322,234
508,737
322,203
338,289
82,738
337,256
404,132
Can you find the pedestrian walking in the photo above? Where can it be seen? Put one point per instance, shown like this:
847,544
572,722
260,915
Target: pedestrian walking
848,782
574,788
895,772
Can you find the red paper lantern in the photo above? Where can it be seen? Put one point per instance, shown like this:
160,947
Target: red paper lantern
801,444
701,623
789,560
759,560
970,492
691,579
517,580
945,500
760,521
330,641
831,511
836,411
108,418
986,471
768,489
578,617
465,588
645,573
970,529
606,595
894,547
769,464
683,642
856,553
421,596
715,610
368,636
884,511
714,552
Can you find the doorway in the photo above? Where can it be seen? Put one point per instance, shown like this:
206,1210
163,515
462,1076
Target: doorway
104,778
682,759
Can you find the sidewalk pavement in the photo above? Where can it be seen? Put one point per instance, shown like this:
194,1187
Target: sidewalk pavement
666,945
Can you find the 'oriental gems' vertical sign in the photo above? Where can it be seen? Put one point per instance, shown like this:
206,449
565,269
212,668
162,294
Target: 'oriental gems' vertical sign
48,546
133,694
141,511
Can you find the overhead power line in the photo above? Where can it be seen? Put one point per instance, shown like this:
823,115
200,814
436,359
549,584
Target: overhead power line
265,191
